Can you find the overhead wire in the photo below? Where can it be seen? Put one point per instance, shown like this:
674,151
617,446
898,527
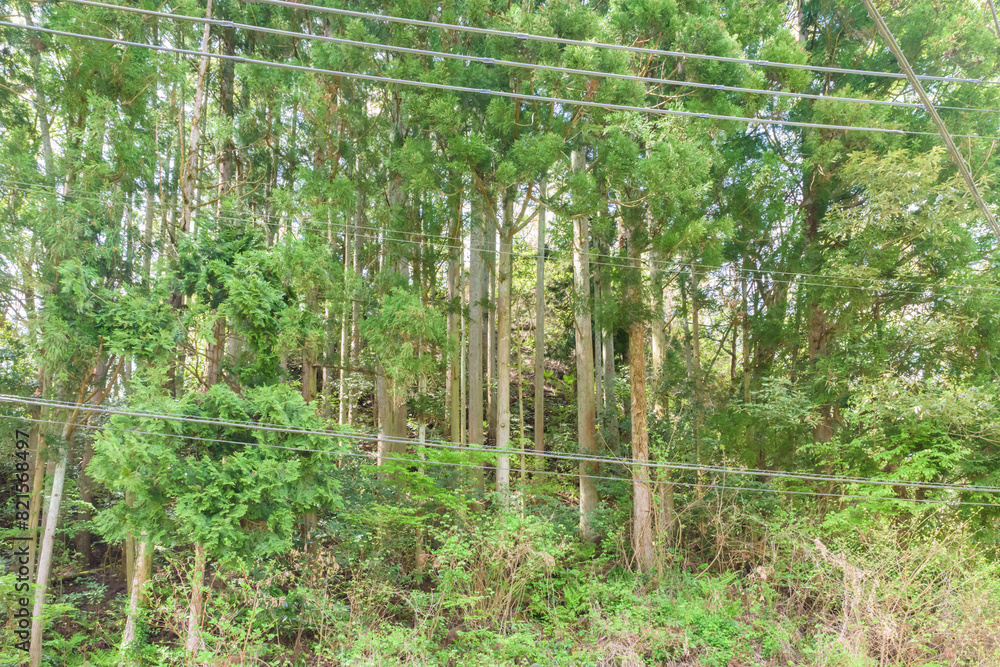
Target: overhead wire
656,111
511,63
523,36
889,285
551,473
441,444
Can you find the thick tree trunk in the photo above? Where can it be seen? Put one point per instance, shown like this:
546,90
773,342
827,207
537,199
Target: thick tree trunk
586,411
196,605
392,417
642,510
476,316
505,276
540,330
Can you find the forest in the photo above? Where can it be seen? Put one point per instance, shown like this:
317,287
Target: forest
482,332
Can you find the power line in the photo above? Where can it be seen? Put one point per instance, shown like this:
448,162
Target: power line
616,47
513,63
495,93
439,444
956,157
888,285
454,464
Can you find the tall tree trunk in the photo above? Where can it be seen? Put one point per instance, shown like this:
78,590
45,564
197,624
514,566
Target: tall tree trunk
490,290
48,543
659,331
586,411
190,173
455,321
355,309
642,501
598,343
37,440
505,277
642,506
196,605
476,316
343,394
699,391
86,490
540,328
610,395
41,102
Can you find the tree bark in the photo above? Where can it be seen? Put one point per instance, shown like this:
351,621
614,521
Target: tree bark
659,331
505,276
136,584
48,544
196,605
699,392
455,323
86,490
343,396
189,175
37,480
610,395
642,510
475,389
490,291
540,329
586,411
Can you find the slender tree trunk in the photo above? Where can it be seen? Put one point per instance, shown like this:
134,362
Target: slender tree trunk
355,309
196,604
37,480
42,105
598,344
586,412
454,323
659,332
190,173
540,329
699,393
48,544
86,490
490,290
343,395
136,585
610,396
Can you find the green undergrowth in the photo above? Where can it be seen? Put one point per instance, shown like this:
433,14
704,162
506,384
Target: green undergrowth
400,587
